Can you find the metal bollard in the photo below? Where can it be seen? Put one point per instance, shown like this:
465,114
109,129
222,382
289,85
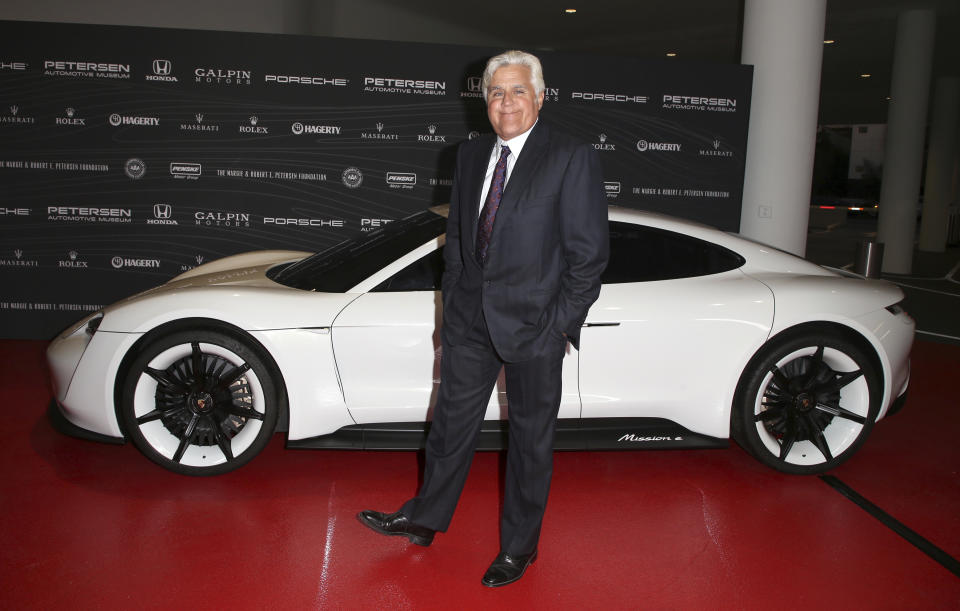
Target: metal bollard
869,259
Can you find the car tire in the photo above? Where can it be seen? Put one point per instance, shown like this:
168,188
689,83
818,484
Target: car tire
200,402
807,401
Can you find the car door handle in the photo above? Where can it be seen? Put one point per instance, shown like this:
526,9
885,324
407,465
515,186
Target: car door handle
601,324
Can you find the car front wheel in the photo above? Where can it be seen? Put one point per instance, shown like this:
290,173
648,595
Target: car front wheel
199,402
806,402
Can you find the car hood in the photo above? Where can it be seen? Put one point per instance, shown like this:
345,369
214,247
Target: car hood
235,290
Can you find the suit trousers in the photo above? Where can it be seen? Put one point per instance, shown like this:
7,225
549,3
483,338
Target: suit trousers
469,371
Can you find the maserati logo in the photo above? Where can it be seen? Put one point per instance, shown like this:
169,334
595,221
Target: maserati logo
14,110
199,259
162,211
70,112
254,119
432,129
379,126
198,117
161,67
716,144
18,253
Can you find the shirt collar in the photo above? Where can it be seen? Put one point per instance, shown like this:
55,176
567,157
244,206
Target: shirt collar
516,143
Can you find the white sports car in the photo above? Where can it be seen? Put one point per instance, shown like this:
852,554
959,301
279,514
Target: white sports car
697,336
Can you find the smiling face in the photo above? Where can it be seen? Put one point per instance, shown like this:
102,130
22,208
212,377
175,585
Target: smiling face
512,104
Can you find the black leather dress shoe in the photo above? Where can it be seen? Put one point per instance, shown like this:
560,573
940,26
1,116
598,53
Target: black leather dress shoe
396,524
507,569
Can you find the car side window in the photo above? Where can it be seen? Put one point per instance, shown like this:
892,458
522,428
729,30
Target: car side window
424,274
644,254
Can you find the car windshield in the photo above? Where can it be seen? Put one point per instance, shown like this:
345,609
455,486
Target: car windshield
341,267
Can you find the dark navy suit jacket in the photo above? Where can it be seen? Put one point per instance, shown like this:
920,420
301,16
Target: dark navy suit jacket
549,245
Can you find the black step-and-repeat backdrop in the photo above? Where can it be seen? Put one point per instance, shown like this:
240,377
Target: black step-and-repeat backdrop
129,155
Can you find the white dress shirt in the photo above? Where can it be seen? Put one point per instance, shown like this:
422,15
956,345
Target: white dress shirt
516,145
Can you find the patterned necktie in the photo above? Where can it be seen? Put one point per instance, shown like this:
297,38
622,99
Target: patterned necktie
489,211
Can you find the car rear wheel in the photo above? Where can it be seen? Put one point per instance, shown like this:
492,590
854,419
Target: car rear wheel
199,402
806,402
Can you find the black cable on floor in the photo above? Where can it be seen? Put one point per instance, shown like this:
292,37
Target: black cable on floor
943,558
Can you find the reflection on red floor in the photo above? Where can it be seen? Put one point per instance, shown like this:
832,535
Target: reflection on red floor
96,526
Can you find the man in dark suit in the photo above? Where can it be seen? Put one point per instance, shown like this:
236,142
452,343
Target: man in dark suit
527,240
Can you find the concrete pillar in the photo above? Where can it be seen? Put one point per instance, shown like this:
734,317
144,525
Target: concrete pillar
906,127
938,185
783,40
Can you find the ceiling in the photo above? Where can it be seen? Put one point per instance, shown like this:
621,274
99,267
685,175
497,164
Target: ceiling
709,30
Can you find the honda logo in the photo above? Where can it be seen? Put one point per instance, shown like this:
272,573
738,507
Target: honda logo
162,211
474,83
161,67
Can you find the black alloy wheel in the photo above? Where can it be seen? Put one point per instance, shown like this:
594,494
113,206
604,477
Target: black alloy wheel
200,402
806,402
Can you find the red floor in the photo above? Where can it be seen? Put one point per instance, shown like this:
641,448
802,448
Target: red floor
95,526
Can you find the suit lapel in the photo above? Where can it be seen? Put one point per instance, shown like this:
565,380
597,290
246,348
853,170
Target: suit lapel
523,172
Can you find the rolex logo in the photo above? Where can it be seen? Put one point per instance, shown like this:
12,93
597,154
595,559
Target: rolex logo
603,138
253,120
73,255
18,253
432,129
198,117
70,112
379,126
14,110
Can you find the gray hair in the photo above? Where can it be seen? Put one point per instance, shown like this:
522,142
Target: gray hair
515,58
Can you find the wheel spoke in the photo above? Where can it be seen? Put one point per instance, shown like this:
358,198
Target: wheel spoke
187,436
782,381
161,377
842,380
789,438
244,412
158,414
771,413
222,440
820,441
197,360
232,376
842,413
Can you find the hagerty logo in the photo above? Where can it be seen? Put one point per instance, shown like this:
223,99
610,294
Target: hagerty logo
121,262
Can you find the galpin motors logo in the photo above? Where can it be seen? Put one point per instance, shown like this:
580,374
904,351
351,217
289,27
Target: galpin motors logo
689,102
379,134
603,145
134,168
644,146
401,180
300,128
162,71
253,128
70,118
377,84
73,261
474,88
199,125
352,177
221,218
431,136
222,76
189,171
117,120
121,262
16,118
717,150
19,261
612,189
162,215
282,79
